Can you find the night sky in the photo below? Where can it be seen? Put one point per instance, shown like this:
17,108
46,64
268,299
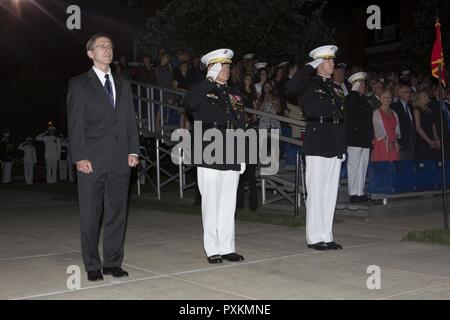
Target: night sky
34,32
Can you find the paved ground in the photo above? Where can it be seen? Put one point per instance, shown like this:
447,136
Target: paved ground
40,239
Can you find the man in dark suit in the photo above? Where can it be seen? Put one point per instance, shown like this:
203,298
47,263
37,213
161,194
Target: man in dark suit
405,115
104,145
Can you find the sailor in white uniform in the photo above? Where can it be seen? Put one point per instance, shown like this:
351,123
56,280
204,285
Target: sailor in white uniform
52,153
29,159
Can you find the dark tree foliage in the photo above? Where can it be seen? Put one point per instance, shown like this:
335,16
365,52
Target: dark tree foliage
275,30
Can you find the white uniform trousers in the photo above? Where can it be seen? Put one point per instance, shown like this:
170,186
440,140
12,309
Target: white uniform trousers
6,172
62,169
357,162
28,170
322,182
51,166
219,190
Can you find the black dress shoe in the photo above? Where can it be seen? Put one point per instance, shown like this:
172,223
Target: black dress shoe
365,198
233,257
215,259
95,275
334,246
116,272
355,199
321,246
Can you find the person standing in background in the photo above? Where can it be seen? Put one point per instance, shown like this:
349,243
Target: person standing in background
29,159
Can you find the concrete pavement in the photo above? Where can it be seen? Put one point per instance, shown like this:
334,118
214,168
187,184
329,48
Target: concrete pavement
40,239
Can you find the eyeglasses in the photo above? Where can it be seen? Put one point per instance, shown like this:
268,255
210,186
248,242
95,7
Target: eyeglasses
105,47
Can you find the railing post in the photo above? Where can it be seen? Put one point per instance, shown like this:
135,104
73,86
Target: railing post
297,200
152,107
139,106
148,110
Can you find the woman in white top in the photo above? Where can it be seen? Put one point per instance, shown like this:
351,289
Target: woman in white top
261,78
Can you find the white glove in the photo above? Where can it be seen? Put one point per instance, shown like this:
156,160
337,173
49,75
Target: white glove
344,156
214,71
242,168
315,63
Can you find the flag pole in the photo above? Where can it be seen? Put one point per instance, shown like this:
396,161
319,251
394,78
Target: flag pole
444,184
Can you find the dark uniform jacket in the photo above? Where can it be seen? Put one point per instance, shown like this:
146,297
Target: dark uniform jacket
358,120
220,107
97,132
321,98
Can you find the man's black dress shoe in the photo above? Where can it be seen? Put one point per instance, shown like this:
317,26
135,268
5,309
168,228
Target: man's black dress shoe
95,275
233,257
318,246
116,272
334,246
355,199
215,259
365,198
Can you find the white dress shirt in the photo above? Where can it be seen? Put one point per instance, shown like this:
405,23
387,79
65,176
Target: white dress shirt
101,75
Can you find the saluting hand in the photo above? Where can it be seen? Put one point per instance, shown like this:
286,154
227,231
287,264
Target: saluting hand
133,161
84,166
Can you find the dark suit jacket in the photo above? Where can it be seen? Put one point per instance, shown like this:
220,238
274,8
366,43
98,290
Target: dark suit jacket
406,127
358,120
97,132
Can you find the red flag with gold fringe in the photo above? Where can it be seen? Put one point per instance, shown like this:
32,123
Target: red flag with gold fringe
437,56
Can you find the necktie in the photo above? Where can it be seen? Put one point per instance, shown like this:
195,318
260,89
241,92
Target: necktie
108,89
408,112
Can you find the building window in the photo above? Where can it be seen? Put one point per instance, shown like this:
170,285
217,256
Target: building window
386,34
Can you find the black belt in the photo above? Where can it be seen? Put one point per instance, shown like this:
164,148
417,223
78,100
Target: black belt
333,120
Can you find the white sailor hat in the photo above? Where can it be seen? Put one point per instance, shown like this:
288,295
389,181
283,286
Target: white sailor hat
218,56
248,56
284,63
359,76
324,52
404,73
260,65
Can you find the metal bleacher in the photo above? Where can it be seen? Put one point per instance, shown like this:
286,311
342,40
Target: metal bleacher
149,99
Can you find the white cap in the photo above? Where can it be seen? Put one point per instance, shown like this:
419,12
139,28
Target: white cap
260,65
218,56
324,52
359,76
284,63
248,56
405,73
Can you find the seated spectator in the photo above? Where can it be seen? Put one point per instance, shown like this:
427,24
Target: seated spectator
387,131
145,72
123,70
261,78
427,141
